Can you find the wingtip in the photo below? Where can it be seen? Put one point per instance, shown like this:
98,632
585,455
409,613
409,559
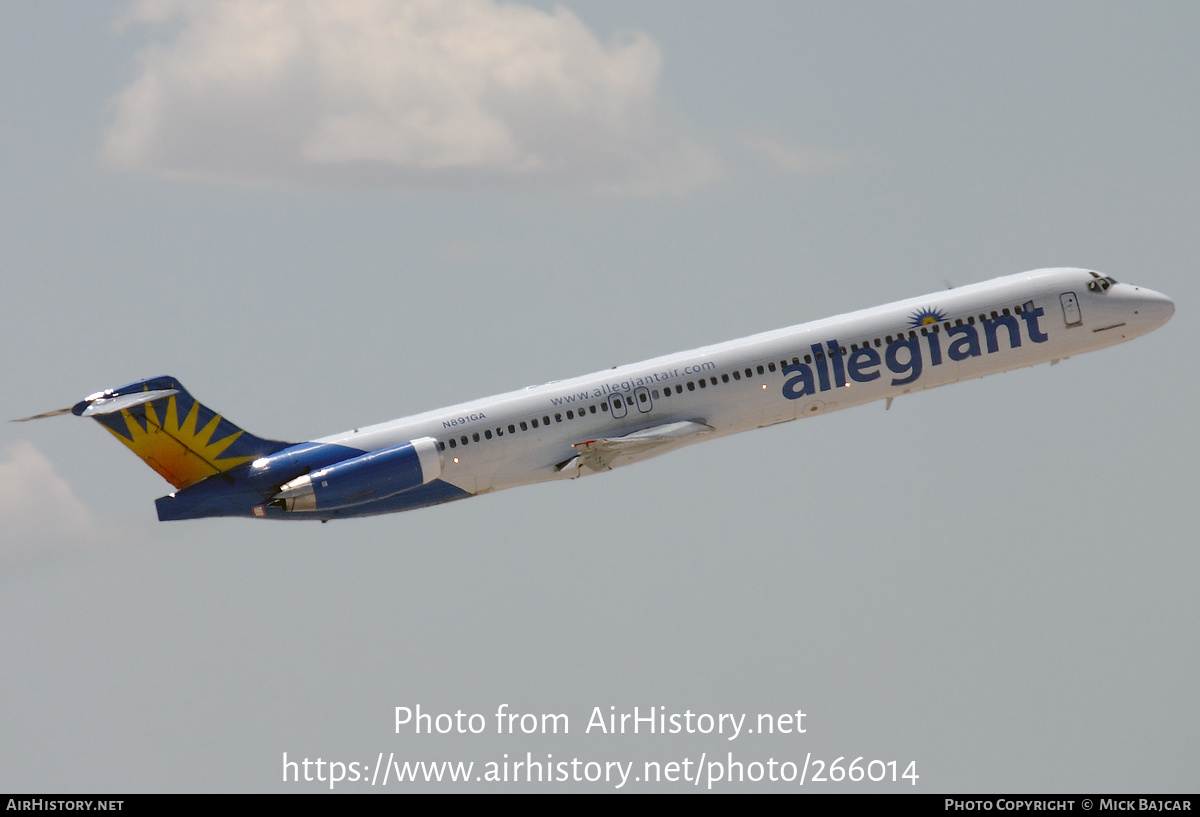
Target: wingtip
43,415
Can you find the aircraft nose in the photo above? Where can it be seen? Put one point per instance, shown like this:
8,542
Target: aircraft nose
1154,307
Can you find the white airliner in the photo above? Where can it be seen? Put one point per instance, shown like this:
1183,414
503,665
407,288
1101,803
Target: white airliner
572,428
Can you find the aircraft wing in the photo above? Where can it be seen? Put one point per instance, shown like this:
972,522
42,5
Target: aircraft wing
598,454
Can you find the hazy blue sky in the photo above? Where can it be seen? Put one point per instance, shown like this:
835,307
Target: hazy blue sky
319,216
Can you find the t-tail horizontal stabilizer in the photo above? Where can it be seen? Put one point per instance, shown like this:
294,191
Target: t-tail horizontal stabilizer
173,432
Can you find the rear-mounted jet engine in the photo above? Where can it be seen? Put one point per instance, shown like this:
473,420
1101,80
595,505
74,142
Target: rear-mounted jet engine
372,476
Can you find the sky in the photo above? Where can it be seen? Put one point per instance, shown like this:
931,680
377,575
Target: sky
319,216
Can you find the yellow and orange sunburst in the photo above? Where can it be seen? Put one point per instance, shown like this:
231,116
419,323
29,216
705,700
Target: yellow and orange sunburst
926,316
182,454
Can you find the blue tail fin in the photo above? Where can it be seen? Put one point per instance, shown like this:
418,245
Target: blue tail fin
177,436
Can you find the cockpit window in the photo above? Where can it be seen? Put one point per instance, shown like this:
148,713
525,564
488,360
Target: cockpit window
1100,284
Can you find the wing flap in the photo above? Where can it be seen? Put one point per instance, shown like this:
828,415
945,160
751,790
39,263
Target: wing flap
599,454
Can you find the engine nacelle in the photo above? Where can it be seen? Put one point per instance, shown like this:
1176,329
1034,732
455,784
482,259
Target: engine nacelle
366,478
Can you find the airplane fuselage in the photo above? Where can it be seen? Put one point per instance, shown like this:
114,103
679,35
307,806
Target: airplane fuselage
571,428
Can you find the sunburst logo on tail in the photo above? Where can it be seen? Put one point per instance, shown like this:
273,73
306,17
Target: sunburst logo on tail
179,451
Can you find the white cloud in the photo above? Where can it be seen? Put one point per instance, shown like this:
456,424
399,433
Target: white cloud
395,91
37,509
